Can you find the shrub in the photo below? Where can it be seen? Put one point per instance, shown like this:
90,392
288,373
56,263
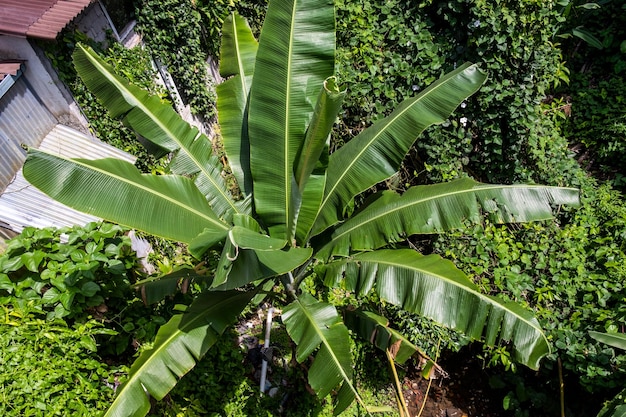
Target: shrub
80,273
173,33
512,40
50,368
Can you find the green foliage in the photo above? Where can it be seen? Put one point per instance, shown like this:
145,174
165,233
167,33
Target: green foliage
50,368
385,54
80,272
599,122
66,279
497,135
597,91
301,196
135,64
172,31
571,274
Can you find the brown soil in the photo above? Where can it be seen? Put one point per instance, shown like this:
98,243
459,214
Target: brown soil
464,393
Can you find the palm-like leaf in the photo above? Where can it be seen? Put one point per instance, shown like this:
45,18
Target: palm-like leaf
436,208
160,124
295,56
376,153
179,345
435,288
312,324
238,55
168,206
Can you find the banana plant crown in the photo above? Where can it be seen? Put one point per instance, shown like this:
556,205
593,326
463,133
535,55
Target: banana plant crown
276,109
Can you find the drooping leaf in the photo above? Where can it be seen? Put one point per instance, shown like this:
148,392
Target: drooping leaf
169,206
295,56
617,340
391,217
312,324
178,346
435,288
582,33
155,289
237,58
376,330
283,261
159,123
376,153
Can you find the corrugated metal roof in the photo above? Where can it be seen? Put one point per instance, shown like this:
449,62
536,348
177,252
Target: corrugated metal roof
23,120
42,19
24,205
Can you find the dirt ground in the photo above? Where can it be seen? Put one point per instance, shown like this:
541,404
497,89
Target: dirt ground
464,393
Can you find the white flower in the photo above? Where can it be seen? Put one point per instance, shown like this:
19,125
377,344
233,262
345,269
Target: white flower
463,121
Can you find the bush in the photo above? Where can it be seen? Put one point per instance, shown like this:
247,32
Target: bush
494,135
50,368
173,33
80,273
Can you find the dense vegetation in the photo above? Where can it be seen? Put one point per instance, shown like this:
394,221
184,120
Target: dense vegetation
551,109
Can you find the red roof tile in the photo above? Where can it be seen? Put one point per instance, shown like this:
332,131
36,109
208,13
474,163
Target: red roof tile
42,19
9,68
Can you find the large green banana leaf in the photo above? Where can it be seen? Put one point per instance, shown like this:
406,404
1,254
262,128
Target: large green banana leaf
159,123
178,346
237,58
169,206
376,153
312,324
391,217
435,288
295,56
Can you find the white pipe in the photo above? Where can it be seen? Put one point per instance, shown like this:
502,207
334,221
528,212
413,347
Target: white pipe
268,327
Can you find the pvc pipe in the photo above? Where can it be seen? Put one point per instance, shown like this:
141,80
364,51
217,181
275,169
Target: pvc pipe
268,327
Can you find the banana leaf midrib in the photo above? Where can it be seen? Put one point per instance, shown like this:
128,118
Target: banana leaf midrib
145,110
466,288
242,73
153,192
371,219
287,164
345,377
368,144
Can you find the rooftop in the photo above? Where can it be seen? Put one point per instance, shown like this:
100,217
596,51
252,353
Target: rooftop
42,19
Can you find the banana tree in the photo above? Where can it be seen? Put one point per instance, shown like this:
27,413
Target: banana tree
291,216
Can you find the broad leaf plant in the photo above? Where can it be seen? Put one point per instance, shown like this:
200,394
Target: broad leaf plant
294,213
